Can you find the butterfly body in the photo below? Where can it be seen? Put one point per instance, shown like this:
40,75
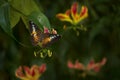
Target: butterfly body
40,38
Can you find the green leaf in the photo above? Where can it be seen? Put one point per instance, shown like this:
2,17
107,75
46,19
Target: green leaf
14,17
4,20
21,9
24,6
4,17
40,19
25,20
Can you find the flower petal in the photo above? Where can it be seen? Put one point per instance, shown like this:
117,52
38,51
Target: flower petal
27,70
83,13
19,73
53,31
103,61
74,8
42,68
34,70
79,65
70,64
90,65
64,17
46,30
96,68
68,12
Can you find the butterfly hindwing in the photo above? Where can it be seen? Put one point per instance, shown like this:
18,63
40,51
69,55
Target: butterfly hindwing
48,39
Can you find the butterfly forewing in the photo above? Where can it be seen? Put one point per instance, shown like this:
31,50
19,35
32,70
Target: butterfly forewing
35,33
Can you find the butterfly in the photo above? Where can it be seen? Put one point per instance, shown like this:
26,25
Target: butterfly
40,38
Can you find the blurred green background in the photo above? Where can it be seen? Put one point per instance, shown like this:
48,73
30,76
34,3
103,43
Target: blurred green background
102,39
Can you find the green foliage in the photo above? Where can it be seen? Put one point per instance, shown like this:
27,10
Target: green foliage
4,17
22,9
14,17
24,6
39,19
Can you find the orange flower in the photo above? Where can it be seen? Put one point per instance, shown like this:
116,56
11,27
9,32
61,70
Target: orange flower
96,66
72,15
90,66
33,73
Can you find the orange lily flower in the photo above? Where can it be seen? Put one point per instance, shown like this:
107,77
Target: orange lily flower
91,66
33,73
72,15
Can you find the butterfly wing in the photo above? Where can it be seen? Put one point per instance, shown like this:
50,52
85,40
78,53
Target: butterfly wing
40,38
48,39
35,33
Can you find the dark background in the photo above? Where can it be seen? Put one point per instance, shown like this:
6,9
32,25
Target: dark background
102,39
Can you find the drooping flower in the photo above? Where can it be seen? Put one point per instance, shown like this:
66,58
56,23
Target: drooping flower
33,73
72,15
91,66
46,30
